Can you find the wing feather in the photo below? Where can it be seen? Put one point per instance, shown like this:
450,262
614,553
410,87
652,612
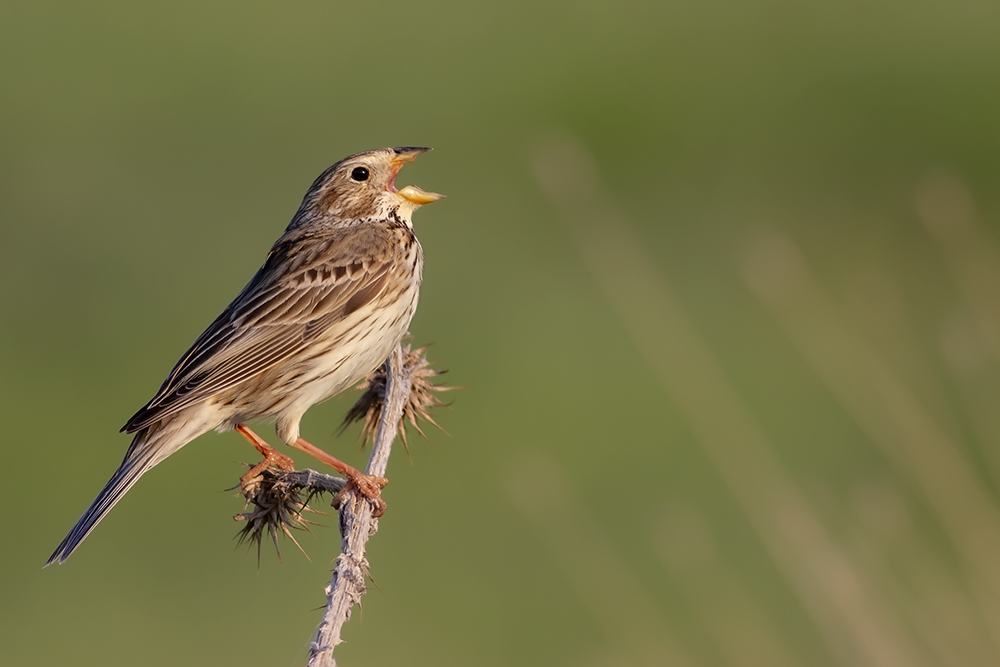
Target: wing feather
305,287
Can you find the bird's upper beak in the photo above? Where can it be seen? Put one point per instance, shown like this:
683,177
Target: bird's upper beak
411,193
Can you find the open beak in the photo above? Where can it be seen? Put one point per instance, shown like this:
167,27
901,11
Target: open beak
410,193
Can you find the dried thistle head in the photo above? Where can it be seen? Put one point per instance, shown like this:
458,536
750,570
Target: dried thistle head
279,499
422,398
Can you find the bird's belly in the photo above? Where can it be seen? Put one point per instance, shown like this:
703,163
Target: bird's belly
346,354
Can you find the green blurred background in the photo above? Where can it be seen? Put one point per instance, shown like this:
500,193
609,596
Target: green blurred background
720,281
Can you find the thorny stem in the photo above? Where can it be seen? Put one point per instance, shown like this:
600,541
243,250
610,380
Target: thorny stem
357,522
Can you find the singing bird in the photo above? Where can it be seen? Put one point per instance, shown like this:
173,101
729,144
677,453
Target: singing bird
333,298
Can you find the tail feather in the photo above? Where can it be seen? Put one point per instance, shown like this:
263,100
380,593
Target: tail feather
148,448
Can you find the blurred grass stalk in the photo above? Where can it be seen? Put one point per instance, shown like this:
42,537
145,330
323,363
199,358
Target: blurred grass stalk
840,587
882,404
741,628
636,629
946,208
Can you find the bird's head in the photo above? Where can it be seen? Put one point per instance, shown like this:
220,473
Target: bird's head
362,187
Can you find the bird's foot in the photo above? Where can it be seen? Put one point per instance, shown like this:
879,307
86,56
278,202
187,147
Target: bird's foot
272,457
369,486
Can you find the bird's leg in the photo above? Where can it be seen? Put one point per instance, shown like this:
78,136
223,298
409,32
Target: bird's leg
272,457
370,486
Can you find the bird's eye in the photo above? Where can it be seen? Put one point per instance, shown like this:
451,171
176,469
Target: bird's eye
359,174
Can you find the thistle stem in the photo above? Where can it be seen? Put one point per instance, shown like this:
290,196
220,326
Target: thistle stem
357,522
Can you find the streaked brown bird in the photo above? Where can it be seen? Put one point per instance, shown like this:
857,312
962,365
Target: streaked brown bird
333,298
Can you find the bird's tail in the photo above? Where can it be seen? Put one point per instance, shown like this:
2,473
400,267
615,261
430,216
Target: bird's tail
149,447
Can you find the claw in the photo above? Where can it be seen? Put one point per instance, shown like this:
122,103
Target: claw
369,486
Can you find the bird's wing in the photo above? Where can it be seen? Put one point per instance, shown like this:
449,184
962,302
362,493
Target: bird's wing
305,287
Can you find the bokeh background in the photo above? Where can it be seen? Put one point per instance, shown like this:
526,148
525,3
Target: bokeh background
720,281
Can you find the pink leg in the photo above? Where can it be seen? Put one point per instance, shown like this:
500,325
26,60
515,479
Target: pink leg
370,486
272,457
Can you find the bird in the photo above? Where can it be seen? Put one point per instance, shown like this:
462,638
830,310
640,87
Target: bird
333,298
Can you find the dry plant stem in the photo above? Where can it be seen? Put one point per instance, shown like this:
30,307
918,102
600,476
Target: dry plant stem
313,480
357,522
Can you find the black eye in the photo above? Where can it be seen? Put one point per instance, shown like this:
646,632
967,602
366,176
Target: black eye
359,174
